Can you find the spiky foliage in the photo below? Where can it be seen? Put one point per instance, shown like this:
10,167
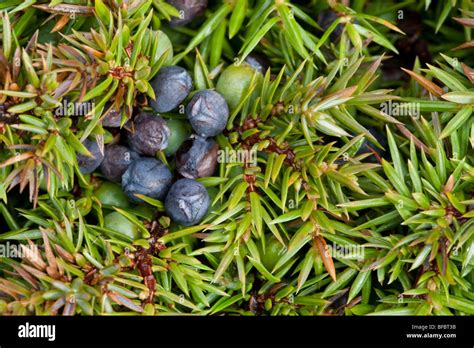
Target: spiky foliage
355,232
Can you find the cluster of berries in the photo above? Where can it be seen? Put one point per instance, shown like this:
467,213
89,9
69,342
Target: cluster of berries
135,164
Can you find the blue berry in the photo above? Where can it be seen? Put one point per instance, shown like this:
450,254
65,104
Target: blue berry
259,63
171,85
150,135
117,158
187,202
197,157
325,19
189,10
208,113
368,147
146,176
113,118
88,164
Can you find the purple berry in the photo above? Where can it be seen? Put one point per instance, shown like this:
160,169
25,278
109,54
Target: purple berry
171,85
374,150
117,158
325,19
259,63
197,158
208,113
146,176
189,9
187,202
151,134
113,118
88,164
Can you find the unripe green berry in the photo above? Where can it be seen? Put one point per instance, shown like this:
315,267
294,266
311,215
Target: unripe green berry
120,224
164,44
179,132
271,253
111,194
234,82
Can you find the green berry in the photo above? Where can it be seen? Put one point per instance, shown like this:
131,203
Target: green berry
112,195
179,132
143,211
120,224
164,44
234,83
271,253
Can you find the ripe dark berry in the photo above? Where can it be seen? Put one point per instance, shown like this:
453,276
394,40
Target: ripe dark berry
325,19
5,116
189,9
197,158
257,62
88,164
146,176
368,147
171,85
150,135
113,118
117,158
187,202
208,113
